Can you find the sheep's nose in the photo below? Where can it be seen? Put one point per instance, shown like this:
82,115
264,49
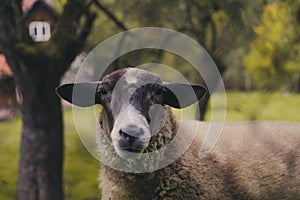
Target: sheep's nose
132,138
131,131
126,136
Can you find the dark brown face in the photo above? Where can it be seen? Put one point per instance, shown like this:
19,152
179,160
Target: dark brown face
133,102
104,95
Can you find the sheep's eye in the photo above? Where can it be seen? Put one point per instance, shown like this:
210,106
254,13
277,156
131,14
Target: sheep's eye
103,92
158,92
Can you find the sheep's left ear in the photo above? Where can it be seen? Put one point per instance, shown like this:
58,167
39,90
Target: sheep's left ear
181,95
80,94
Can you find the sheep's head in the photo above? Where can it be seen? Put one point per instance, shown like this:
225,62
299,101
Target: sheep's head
132,101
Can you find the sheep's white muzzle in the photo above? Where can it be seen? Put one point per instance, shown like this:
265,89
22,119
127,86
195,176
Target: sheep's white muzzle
132,138
130,133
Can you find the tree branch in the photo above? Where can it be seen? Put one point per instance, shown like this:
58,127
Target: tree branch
12,31
7,23
69,21
110,15
71,35
90,18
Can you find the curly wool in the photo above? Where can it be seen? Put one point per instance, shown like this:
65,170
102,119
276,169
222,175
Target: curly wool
252,160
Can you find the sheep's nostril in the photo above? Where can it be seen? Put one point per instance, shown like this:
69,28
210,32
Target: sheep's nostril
132,130
126,136
132,138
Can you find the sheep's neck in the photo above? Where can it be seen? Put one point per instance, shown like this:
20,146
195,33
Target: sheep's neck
131,183
167,133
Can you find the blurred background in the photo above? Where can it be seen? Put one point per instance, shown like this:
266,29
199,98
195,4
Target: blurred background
255,45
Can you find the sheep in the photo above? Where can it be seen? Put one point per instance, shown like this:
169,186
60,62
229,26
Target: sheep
251,160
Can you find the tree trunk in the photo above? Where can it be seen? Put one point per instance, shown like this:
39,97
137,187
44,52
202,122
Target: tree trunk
40,172
202,107
38,68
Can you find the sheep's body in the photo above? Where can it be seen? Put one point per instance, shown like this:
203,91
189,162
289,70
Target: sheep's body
259,160
252,160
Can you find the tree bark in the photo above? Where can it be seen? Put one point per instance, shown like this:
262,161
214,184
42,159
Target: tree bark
202,107
40,171
203,104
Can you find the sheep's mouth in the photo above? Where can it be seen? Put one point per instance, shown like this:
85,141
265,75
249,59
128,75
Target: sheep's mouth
131,150
129,153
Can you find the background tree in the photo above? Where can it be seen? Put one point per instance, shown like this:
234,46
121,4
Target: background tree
273,60
223,28
37,68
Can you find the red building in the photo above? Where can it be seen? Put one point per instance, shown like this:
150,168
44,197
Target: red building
9,95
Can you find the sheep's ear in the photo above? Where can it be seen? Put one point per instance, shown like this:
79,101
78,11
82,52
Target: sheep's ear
181,95
80,94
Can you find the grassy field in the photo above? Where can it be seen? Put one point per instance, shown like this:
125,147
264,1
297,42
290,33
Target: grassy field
81,169
261,106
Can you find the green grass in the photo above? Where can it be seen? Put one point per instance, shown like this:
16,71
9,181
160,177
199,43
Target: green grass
81,169
9,151
261,106
241,106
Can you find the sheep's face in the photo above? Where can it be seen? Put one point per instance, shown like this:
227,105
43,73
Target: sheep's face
127,96
133,101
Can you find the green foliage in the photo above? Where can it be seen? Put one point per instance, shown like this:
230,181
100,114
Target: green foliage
271,61
59,4
225,30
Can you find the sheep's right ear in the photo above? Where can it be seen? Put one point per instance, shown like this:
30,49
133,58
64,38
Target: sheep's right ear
181,95
80,94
